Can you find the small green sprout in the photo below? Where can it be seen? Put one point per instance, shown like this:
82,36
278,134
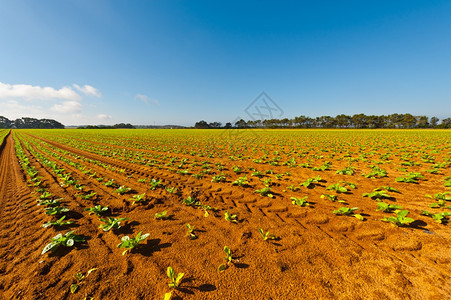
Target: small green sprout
66,240
228,258
266,235
97,210
400,219
333,198
299,201
122,189
163,215
111,223
439,218
130,243
154,184
229,217
138,198
336,187
242,181
265,192
59,222
381,206
55,210
347,211
175,280
190,232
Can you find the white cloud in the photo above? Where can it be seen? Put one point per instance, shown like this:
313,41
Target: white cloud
146,99
104,117
30,92
68,107
88,90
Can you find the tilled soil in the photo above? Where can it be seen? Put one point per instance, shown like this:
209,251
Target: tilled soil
316,254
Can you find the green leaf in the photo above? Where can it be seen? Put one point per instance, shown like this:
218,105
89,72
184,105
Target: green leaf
74,288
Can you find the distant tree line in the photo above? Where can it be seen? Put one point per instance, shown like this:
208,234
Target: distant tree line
340,121
115,126
5,123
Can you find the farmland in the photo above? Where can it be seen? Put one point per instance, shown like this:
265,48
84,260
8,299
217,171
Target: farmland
244,214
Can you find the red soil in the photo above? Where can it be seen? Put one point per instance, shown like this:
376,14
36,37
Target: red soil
317,254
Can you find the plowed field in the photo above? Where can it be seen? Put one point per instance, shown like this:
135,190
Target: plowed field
196,177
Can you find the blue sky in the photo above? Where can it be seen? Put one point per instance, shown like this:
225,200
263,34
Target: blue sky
178,62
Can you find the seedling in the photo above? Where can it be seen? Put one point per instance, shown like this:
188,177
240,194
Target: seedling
111,223
111,183
57,223
154,184
265,192
88,196
439,218
266,235
299,201
311,182
381,206
292,188
50,202
190,232
333,198
130,243
400,219
346,171
171,189
138,198
377,195
242,181
163,215
97,210
228,259
347,211
45,195
55,210
218,178
190,201
229,217
122,189
387,188
410,178
67,240
337,188
175,280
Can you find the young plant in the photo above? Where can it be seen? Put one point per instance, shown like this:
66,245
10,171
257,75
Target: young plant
175,280
346,171
138,198
387,188
59,222
161,216
266,235
439,218
400,219
111,223
333,198
171,189
381,206
347,211
242,181
97,210
377,195
66,240
88,196
190,232
299,201
218,178
51,202
310,183
410,178
228,258
337,188
122,189
229,217
55,210
129,243
155,184
265,192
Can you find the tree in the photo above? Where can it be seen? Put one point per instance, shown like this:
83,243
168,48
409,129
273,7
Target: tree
434,121
228,125
201,125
